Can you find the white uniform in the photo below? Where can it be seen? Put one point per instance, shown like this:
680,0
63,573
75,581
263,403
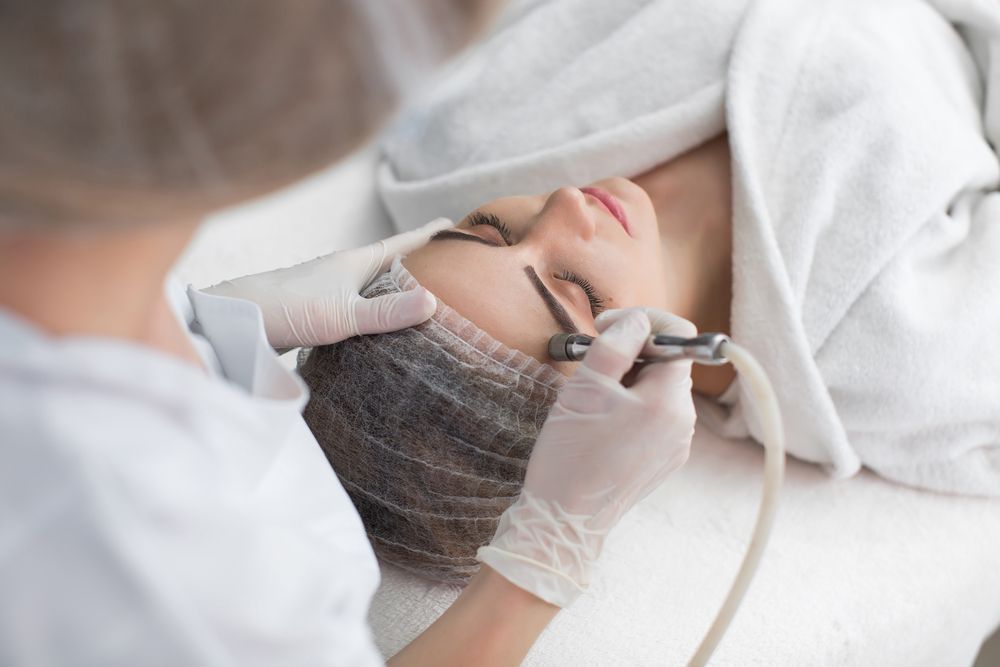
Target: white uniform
153,514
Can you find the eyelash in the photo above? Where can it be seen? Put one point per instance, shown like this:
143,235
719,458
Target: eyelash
478,218
596,302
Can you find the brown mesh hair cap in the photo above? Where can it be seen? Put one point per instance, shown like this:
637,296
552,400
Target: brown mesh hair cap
429,430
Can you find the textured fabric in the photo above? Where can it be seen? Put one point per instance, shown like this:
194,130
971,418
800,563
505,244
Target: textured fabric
429,430
865,202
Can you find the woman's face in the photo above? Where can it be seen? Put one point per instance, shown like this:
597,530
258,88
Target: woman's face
526,268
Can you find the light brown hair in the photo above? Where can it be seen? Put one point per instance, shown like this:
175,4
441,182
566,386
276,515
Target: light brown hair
125,109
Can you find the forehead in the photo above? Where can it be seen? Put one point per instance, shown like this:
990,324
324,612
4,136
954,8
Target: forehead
491,289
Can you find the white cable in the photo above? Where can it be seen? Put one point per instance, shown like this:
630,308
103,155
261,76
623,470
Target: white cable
766,404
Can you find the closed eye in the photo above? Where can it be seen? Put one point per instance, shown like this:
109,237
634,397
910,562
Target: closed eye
595,300
478,218
447,234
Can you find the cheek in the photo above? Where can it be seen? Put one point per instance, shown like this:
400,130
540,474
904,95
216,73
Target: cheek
654,287
642,281
653,280
567,368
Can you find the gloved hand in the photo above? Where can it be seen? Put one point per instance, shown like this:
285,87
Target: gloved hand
317,302
603,448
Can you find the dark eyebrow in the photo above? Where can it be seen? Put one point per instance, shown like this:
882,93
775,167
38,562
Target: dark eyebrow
448,235
558,312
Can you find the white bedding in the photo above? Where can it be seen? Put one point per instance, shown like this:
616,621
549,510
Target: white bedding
860,572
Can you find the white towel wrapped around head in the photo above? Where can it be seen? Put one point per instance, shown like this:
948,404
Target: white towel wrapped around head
563,92
866,217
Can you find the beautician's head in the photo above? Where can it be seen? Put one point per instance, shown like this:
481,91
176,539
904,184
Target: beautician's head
134,110
521,267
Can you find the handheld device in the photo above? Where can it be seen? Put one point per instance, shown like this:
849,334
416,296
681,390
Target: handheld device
716,349
703,349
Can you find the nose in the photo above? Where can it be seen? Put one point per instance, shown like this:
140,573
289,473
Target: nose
566,213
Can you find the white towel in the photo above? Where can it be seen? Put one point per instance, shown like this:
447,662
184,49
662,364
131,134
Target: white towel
866,215
867,237
564,92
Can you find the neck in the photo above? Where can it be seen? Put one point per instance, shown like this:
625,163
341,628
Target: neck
692,199
106,283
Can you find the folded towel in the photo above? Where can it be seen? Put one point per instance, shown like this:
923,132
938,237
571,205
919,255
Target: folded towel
563,92
866,218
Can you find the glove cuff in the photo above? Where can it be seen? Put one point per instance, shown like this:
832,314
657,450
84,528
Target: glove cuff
544,549
537,578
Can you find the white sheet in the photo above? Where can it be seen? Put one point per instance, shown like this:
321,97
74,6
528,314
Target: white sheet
860,572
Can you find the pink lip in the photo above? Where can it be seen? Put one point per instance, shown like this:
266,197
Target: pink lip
611,203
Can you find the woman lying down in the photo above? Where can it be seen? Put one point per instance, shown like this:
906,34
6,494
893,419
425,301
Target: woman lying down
430,429
830,202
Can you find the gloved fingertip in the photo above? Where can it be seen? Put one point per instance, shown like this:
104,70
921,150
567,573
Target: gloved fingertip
609,318
437,225
407,242
608,315
415,306
615,349
631,324
664,322
393,312
427,302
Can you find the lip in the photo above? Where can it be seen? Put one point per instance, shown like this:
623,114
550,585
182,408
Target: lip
611,203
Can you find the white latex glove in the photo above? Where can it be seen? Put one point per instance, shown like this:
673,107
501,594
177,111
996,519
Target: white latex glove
603,448
317,302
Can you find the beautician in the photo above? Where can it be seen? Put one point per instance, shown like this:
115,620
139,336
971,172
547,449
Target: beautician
162,501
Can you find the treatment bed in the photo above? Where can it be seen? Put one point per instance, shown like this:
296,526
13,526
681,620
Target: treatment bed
858,572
